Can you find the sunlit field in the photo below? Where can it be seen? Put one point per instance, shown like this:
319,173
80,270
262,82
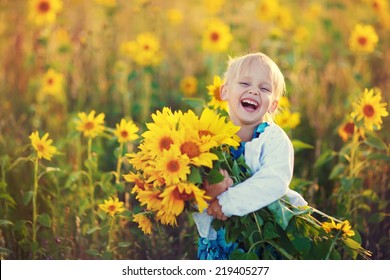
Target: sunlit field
91,89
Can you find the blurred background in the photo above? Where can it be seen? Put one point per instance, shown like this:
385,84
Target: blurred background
129,58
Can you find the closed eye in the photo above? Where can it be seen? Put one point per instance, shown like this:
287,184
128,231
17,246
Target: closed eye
266,89
244,83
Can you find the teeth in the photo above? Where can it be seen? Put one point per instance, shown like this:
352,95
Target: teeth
251,102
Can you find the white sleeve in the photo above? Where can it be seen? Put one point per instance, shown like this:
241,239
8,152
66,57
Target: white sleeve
269,183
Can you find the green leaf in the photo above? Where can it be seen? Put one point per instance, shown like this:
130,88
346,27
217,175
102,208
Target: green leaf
195,176
44,219
270,231
8,198
299,145
5,251
214,177
5,222
27,197
239,255
377,217
195,102
281,213
337,170
378,157
93,252
324,158
107,255
350,243
92,230
124,244
374,141
259,220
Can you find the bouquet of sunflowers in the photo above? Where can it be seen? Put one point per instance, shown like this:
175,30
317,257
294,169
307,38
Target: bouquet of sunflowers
181,150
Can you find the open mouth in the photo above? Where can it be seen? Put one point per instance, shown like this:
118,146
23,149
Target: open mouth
249,104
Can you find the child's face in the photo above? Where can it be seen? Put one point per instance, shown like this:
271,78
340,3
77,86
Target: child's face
250,95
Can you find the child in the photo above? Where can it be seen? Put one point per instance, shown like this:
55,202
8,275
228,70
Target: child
253,84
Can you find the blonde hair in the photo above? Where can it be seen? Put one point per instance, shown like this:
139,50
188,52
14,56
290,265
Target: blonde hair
237,64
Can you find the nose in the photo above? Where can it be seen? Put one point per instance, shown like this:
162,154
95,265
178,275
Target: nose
253,91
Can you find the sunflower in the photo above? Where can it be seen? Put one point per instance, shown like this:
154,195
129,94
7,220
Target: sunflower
145,50
174,197
370,109
143,222
43,12
139,182
150,198
174,16
42,145
159,139
189,85
126,131
216,37
166,218
89,125
112,206
213,127
53,84
345,227
284,103
173,165
346,130
197,151
268,10
363,39
285,119
214,93
141,159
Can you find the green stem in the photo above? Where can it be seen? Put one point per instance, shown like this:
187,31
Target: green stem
34,201
89,148
147,96
90,181
333,244
119,164
110,233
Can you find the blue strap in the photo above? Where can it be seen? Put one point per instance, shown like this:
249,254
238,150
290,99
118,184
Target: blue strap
241,150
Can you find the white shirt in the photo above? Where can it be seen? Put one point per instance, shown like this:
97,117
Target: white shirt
270,157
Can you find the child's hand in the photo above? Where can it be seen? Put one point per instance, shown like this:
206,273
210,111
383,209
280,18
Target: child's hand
216,189
215,210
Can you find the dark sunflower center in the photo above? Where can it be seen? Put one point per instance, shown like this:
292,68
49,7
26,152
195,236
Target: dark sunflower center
43,6
89,126
165,143
183,196
173,166
368,110
349,127
190,149
362,40
214,36
204,133
124,134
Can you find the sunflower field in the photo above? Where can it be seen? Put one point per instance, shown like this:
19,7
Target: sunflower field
95,95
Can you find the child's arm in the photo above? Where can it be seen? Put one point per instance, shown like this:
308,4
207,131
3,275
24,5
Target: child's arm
271,158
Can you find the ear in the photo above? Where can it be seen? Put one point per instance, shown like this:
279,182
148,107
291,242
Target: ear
273,106
223,92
